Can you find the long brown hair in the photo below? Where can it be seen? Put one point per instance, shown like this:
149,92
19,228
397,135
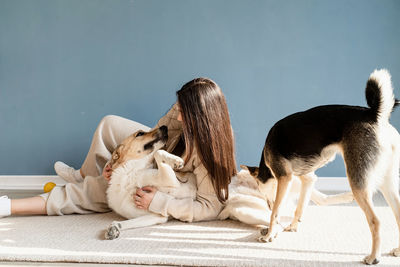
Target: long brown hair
206,125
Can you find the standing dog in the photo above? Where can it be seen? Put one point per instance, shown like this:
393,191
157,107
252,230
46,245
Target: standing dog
133,167
303,142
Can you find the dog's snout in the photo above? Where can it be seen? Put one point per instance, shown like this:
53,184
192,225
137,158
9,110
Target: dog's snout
164,131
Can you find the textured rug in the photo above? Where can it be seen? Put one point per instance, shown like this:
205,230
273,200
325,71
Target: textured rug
328,236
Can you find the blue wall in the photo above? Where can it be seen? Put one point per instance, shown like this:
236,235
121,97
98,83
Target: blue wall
66,64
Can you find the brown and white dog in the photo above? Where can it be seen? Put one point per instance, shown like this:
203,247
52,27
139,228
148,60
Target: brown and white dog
251,201
303,142
133,167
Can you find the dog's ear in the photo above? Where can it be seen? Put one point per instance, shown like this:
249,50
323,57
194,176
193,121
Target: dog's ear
244,167
252,170
117,152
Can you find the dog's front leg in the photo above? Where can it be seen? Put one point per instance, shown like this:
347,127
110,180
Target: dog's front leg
166,164
115,228
282,190
307,184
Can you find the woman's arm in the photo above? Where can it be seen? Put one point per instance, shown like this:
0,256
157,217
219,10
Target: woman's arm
204,207
174,127
169,118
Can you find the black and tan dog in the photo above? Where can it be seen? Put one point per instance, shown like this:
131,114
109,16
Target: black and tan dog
303,142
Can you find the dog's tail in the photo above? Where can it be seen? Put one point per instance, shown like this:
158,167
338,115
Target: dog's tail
321,199
379,94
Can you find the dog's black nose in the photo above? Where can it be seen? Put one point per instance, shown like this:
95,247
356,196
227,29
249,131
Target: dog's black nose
164,130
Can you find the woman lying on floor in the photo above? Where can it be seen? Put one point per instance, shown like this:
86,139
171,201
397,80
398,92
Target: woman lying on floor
199,130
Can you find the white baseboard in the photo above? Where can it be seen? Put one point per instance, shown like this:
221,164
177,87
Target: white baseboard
28,182
36,182
332,184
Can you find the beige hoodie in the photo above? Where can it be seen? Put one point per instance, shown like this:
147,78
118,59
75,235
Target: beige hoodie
206,206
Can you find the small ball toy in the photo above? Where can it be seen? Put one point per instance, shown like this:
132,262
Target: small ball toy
48,187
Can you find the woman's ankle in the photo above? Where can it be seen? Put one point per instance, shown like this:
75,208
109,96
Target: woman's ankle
28,206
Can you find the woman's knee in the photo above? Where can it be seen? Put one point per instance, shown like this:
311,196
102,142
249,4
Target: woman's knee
109,121
118,127
112,124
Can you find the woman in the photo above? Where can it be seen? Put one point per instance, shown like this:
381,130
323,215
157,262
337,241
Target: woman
199,130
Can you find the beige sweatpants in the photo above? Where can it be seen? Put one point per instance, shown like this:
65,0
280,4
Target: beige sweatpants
90,195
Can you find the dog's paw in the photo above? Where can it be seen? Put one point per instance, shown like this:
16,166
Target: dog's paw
175,162
395,252
266,239
369,260
113,231
172,160
178,163
266,236
292,227
264,231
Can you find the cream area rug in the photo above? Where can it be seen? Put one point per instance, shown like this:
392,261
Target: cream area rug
328,236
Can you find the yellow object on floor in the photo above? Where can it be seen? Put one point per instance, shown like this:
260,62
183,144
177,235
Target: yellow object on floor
48,187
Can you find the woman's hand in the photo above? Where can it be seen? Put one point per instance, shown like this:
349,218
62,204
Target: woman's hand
107,171
144,196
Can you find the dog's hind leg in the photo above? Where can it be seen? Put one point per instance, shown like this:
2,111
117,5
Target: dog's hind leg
115,228
281,193
363,157
390,191
364,200
307,185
